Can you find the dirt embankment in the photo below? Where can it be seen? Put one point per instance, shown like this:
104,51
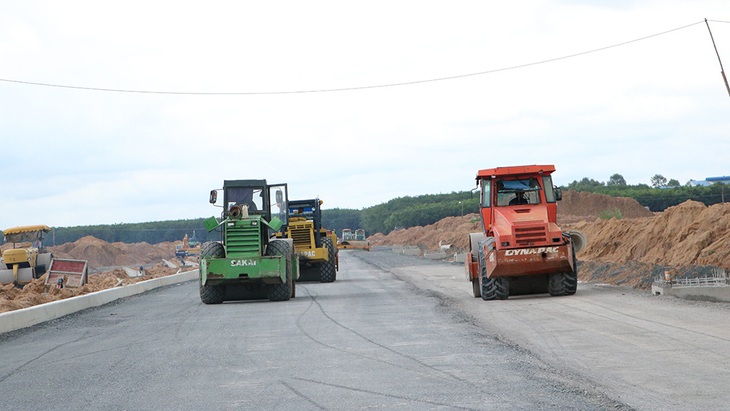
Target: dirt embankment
102,254
104,261
687,234
688,239
575,207
581,205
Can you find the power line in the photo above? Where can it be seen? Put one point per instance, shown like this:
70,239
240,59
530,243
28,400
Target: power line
332,90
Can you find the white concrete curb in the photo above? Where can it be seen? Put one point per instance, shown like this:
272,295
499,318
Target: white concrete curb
26,317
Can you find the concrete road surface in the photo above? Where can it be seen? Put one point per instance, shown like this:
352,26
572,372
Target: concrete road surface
648,352
371,340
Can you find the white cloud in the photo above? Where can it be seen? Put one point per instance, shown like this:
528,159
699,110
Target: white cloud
87,157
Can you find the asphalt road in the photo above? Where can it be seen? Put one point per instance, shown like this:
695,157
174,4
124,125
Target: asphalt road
646,352
393,333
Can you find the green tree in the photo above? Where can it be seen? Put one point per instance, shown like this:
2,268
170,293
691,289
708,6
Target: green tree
586,184
616,180
673,183
338,218
658,181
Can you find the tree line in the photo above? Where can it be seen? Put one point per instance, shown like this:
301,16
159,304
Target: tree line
150,232
401,212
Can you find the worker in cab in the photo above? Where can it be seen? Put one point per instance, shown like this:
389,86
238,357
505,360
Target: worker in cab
519,199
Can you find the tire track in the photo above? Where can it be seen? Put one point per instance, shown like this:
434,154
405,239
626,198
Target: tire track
386,395
418,362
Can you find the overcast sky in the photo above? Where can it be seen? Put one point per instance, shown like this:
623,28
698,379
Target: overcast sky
310,112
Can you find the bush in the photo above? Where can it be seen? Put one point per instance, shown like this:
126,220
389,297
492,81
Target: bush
610,213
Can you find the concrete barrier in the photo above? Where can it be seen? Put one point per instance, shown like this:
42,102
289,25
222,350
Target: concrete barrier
459,257
440,255
717,294
26,317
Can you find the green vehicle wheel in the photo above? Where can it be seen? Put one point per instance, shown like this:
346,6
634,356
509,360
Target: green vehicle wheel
283,291
211,294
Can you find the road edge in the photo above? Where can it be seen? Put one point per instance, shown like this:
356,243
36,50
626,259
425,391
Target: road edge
26,317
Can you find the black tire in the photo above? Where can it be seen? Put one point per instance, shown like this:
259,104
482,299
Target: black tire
561,284
573,277
283,291
327,270
496,288
211,294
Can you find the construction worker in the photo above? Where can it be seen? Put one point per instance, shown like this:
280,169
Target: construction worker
519,199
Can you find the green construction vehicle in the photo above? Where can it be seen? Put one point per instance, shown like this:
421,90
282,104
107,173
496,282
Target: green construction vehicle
248,255
315,246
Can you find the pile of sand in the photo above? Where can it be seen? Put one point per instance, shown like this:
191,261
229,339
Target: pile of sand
689,239
452,231
687,234
100,253
587,205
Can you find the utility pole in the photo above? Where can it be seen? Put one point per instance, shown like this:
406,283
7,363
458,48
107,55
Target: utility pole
722,70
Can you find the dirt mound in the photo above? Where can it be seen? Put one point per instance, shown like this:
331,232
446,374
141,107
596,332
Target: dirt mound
452,231
585,204
687,234
101,254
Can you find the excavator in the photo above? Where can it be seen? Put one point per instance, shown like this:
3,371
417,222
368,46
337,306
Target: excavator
190,247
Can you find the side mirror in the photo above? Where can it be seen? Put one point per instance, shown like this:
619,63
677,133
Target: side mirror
279,196
213,196
558,194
